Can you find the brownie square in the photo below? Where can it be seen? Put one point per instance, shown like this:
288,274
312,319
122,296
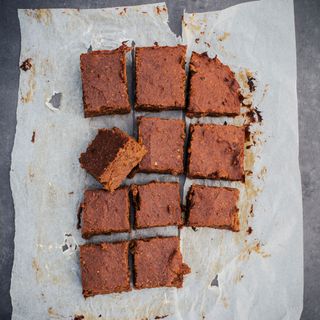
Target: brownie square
160,78
164,141
216,152
158,263
104,268
213,89
213,207
157,204
111,156
104,212
104,82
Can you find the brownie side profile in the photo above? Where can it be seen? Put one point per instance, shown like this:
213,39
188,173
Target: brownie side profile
158,263
157,204
213,207
111,156
104,82
216,152
104,212
160,78
164,141
213,89
104,268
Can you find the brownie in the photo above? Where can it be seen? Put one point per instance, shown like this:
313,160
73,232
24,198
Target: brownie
164,141
160,78
157,204
216,152
214,207
104,268
213,89
158,263
104,212
104,82
111,156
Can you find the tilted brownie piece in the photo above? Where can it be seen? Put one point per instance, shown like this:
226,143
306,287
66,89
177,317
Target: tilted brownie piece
164,141
213,89
213,207
157,204
111,156
216,152
158,263
104,82
104,212
104,268
160,78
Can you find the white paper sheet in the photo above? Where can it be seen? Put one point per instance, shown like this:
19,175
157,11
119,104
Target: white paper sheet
259,275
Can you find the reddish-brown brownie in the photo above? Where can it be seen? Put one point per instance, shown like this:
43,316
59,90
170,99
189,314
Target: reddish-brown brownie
213,207
213,89
157,204
164,141
104,212
104,82
216,152
160,78
104,268
158,263
111,156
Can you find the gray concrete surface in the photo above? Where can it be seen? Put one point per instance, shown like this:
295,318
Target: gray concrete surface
307,17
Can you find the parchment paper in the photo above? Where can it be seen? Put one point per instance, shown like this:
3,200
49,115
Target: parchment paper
254,274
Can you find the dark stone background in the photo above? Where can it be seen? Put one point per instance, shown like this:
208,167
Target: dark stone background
307,18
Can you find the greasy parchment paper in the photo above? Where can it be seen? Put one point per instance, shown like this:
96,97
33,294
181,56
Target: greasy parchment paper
254,274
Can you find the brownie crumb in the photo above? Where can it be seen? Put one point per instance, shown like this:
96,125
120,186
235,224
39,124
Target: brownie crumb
26,64
249,230
33,138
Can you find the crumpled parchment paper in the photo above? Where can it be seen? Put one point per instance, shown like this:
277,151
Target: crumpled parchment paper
254,274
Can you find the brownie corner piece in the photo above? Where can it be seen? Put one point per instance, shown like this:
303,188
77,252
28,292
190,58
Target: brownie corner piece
164,140
111,156
160,78
104,82
216,152
211,75
156,204
104,212
213,207
96,278
158,263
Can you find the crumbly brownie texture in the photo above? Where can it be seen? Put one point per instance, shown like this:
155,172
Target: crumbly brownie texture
164,141
213,90
213,207
104,82
104,212
104,268
160,78
216,152
158,263
111,156
157,204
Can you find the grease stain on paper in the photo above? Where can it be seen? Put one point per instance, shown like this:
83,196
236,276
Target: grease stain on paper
40,15
27,97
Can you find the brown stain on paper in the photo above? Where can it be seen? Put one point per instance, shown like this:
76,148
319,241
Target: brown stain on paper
27,97
38,271
223,36
40,15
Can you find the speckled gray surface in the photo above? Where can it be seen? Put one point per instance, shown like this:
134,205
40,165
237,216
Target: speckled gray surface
307,17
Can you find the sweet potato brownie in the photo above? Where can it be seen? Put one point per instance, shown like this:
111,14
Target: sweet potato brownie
213,89
104,268
104,82
104,212
111,156
216,152
164,141
157,204
160,78
214,207
158,263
